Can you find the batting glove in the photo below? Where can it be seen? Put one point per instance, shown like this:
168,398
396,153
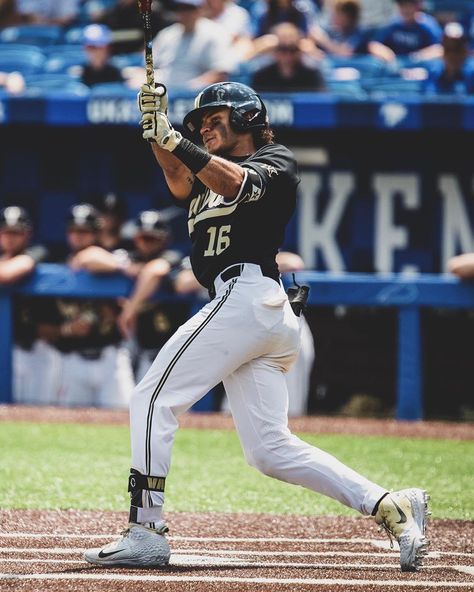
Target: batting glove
157,128
151,99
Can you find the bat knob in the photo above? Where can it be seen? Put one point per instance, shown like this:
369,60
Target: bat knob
161,89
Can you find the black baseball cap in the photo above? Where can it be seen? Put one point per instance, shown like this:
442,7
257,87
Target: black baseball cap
152,222
84,216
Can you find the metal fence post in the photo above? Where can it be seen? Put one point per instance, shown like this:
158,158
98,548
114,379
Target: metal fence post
5,347
409,387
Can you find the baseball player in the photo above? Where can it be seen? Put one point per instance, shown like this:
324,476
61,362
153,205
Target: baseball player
240,192
151,323
35,363
85,331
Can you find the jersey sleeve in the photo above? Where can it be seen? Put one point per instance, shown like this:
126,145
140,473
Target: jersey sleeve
272,165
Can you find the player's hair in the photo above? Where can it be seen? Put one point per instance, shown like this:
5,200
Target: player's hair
263,137
350,8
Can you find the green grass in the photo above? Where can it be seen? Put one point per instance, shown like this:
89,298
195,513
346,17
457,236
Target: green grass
86,467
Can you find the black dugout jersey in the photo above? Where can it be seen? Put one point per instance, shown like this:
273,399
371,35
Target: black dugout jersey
249,228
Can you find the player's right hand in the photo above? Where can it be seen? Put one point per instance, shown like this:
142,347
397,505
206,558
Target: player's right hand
151,99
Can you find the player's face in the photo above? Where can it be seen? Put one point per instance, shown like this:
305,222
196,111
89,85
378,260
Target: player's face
217,135
80,238
148,245
13,242
408,9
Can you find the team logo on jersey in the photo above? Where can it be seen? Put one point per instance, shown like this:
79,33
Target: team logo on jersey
271,170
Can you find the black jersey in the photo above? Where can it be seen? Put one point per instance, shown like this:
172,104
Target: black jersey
249,228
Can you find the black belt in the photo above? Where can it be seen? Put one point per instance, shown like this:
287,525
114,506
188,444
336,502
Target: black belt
235,271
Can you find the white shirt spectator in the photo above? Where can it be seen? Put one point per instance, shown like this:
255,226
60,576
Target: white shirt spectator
49,11
182,57
236,20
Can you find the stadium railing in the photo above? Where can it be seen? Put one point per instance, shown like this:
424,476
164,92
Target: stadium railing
408,294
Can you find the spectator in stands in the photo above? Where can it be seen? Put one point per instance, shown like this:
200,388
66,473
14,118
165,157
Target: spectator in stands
126,22
343,35
151,324
85,331
235,20
462,266
288,72
455,74
9,15
48,12
413,34
301,14
194,51
35,364
98,69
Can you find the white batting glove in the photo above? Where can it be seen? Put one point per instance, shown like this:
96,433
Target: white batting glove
157,128
151,99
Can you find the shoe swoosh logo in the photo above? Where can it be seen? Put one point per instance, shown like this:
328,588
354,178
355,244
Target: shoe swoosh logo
103,555
403,517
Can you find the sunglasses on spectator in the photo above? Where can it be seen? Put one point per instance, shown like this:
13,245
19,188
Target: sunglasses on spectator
288,48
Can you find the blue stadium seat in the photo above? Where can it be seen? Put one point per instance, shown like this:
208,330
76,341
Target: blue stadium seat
128,59
40,35
61,62
346,88
58,84
28,60
112,89
385,87
74,35
366,65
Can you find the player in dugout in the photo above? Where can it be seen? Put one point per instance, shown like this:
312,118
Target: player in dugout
240,192
84,330
36,365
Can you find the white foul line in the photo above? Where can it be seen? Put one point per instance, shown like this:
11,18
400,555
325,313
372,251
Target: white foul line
213,579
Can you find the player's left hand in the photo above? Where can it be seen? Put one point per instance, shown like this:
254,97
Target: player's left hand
157,128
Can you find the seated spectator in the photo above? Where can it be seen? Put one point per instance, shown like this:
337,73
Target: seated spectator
343,35
194,51
35,364
96,367
48,12
288,72
455,74
462,266
12,82
125,21
300,14
235,20
413,33
97,41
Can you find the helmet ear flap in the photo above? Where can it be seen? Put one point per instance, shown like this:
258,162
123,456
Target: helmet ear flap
237,121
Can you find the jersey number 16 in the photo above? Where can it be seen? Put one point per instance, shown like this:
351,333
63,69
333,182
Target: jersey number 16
219,240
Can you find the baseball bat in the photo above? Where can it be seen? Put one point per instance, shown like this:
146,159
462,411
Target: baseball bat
144,7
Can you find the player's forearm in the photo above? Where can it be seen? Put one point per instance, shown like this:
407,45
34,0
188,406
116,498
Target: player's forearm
15,269
178,177
222,176
147,284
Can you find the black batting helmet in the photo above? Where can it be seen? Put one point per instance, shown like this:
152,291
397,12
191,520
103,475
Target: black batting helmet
14,218
152,222
83,215
247,110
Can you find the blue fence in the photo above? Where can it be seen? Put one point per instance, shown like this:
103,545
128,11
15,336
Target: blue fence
407,294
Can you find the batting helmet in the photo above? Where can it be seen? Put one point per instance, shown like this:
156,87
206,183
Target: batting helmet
152,222
247,110
14,218
83,215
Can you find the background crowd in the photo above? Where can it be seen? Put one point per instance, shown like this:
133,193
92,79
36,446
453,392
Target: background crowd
340,46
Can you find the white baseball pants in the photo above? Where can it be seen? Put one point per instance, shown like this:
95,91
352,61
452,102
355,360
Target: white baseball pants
36,374
248,337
